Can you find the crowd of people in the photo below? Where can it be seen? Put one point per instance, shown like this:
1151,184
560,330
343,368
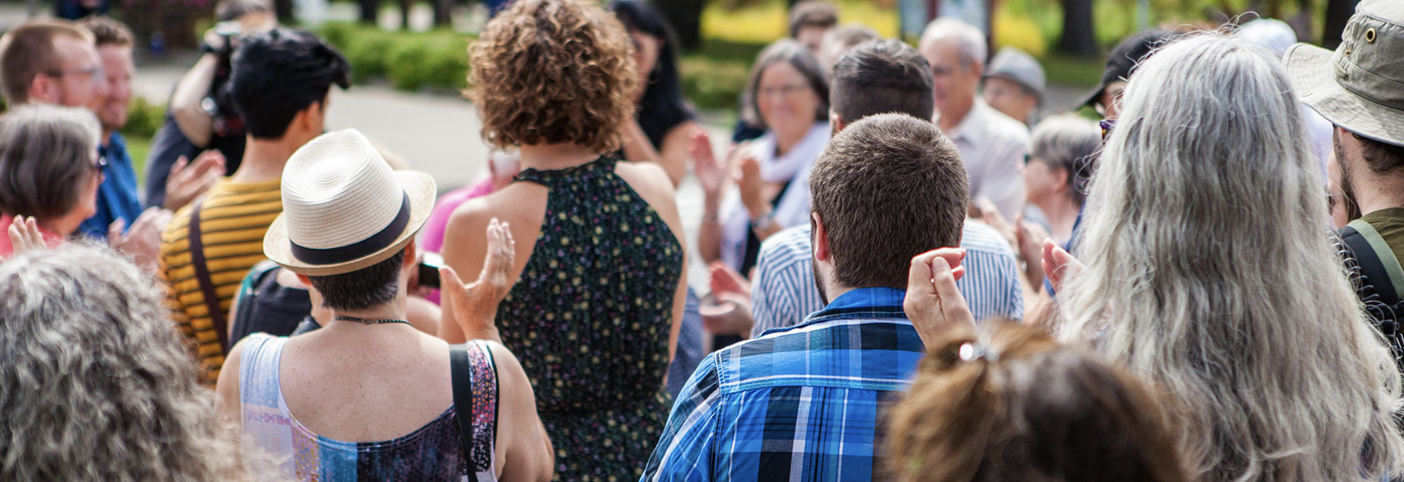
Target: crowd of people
917,270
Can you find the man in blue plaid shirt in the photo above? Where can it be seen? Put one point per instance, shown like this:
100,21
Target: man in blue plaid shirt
804,403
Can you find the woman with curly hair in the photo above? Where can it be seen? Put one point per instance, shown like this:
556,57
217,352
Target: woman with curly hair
1012,404
94,384
600,288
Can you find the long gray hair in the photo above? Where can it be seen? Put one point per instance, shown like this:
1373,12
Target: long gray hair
1209,272
94,382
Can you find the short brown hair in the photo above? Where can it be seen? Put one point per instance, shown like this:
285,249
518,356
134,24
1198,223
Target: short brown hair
553,72
887,188
46,158
880,77
812,13
108,31
28,50
1011,404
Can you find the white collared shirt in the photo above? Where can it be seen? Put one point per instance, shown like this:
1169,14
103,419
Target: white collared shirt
993,147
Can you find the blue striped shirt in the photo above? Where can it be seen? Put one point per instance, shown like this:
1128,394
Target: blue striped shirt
783,292
798,404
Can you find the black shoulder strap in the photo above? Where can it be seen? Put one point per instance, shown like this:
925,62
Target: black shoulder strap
202,276
1371,261
461,371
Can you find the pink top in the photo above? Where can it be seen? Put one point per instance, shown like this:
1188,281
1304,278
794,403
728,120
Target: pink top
432,236
6,249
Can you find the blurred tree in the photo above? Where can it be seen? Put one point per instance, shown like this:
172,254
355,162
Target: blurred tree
284,9
1078,37
686,17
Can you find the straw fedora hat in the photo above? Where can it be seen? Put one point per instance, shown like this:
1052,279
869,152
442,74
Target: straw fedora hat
1360,86
343,208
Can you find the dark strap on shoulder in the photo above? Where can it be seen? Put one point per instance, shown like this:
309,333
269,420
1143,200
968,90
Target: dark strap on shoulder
1371,260
202,276
461,370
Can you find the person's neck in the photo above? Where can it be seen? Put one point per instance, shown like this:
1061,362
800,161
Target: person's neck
1062,215
394,310
264,160
953,115
1374,192
63,227
786,140
551,157
107,136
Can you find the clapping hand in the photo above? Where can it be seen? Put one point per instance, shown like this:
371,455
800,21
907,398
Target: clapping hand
1058,265
25,235
711,172
188,181
934,304
475,304
143,242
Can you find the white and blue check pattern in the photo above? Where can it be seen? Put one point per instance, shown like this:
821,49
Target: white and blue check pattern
799,404
783,292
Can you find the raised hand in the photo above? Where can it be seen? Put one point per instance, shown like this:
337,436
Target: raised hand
25,235
188,181
1058,265
475,304
933,303
752,186
1029,244
142,243
711,172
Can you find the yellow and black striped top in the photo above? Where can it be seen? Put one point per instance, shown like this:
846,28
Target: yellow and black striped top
233,220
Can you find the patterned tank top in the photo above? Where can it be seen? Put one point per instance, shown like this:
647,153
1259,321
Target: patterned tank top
589,319
431,453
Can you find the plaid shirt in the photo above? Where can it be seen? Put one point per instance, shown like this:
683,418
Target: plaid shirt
799,403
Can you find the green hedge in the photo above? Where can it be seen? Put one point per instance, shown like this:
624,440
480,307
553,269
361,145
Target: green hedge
713,77
412,61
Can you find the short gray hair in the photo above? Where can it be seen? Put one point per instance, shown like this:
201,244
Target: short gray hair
970,43
1070,143
46,156
95,382
229,10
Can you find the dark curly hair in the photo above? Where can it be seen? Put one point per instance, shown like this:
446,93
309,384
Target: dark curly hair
553,72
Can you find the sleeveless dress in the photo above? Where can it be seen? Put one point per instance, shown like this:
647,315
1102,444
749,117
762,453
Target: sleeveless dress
431,453
590,317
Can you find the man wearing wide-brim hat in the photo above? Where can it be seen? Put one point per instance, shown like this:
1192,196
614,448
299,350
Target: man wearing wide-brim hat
1360,89
364,385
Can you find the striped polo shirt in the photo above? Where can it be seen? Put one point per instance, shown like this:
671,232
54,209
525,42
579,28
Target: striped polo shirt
783,292
233,220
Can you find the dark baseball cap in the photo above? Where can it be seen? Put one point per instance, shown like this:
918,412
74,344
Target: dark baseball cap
1125,57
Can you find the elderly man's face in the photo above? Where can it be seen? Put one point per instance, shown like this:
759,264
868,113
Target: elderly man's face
953,84
1010,98
79,74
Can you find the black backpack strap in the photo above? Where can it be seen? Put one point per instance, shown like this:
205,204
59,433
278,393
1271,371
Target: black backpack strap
1377,260
202,276
461,370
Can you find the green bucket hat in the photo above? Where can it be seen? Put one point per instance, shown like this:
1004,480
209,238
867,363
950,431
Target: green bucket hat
1360,86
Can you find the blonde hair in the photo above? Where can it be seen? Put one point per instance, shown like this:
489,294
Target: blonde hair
1210,273
95,384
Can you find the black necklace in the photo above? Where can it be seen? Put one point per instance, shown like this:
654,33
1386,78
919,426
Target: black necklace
370,322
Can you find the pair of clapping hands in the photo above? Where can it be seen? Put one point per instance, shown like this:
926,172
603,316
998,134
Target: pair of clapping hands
936,307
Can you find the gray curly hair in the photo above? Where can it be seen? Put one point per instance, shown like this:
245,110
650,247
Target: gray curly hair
94,383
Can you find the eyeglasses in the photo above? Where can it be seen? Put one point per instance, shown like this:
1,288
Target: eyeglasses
784,90
100,164
95,72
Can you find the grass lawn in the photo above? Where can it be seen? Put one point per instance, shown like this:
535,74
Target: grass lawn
139,148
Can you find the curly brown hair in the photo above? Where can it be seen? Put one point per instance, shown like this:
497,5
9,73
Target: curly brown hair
553,72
